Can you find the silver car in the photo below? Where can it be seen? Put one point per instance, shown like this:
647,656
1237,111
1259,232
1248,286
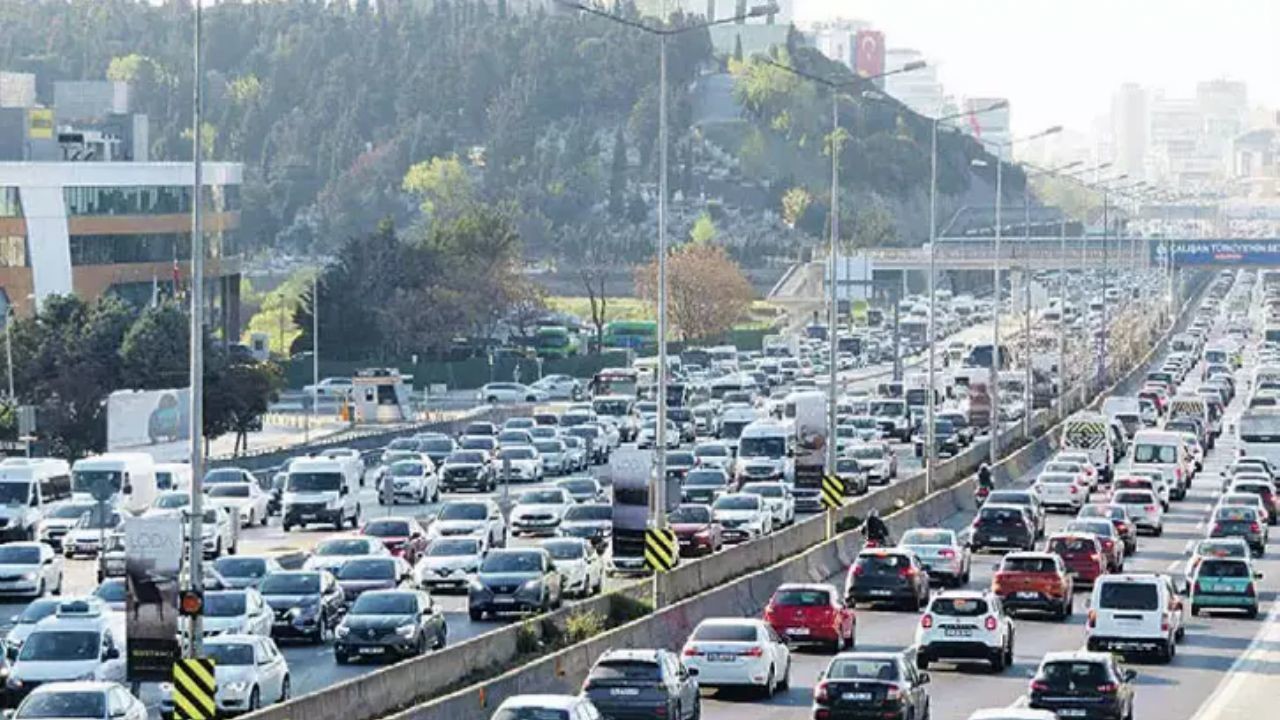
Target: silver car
941,553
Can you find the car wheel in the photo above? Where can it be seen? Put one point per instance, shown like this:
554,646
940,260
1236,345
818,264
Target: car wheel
285,689
254,700
786,677
769,687
421,647
40,588
252,518
922,661
1252,612
475,615
341,658
997,661
492,400
1195,610
286,526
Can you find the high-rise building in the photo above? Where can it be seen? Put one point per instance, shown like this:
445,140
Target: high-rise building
992,128
918,89
1129,125
838,39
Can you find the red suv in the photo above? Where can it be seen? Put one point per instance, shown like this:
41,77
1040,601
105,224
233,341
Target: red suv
811,613
1034,581
1081,553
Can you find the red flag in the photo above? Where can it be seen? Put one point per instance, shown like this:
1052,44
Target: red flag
869,60
975,125
177,276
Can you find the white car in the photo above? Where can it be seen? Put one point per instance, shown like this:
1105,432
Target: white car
555,457
509,392
965,625
940,551
236,612
559,387
450,562
172,502
1062,490
250,673
83,700
581,567
524,461
1135,612
249,500
648,435
330,387
414,481
218,532
877,459
575,453
743,517
1144,509
86,535
716,455
539,512
779,500
29,568
59,520
332,553
738,652
470,517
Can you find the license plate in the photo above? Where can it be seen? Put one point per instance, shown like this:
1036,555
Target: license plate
372,650
1072,712
882,592
308,516
1223,589
504,601
999,538
798,631
957,632
721,657
856,696
625,691
1028,595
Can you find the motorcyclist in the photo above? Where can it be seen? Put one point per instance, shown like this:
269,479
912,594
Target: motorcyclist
874,529
984,478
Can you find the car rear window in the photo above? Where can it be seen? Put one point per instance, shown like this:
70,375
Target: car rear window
1129,596
959,606
1073,545
1070,675
726,633
1236,514
614,670
868,669
1224,568
882,564
1001,516
802,598
1132,498
1029,565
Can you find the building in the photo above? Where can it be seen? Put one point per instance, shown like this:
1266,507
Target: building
992,127
838,40
1129,124
920,89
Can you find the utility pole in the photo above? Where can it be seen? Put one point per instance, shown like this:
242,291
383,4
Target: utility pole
660,443
1028,397
994,445
196,547
931,446
833,312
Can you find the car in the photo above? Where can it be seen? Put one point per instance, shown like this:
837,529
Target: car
777,499
1012,713
1249,500
1081,553
738,652
1119,519
81,641
705,484
555,454
81,699
60,519
647,436
876,459
1216,548
857,685
713,455
86,535
307,604
1107,537
941,553
1134,612
330,387
246,571
679,463
812,613
467,469
218,531
965,625
29,568
249,671
236,612
1143,507
591,521
1144,482
1240,522
697,530
497,393
390,623
1090,685
546,707
403,536
514,580
1002,526
412,480
113,592
887,575
581,567
449,562
1225,583
744,517
583,489
362,574
21,625
470,517
625,684
248,500
1069,491
1265,492
333,553
539,512
1036,581
1025,498
520,463
559,387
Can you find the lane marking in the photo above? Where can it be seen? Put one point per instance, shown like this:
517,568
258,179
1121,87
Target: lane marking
1248,668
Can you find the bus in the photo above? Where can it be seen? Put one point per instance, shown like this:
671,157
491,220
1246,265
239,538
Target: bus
556,341
631,334
615,381
1259,430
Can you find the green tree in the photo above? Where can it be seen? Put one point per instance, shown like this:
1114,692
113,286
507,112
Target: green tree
156,349
618,175
442,186
703,230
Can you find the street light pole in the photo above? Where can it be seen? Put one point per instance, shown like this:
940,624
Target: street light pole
994,445
196,539
660,447
833,390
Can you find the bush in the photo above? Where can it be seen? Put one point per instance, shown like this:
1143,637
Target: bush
528,639
623,609
582,625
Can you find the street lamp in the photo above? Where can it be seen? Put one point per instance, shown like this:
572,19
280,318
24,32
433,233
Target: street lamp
833,298
1104,186
663,32
196,547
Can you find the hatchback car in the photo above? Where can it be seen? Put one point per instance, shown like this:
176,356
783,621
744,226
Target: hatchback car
625,684
858,685
697,530
889,575
1240,522
1225,583
1002,526
1090,685
1108,539
1036,581
1081,553
812,613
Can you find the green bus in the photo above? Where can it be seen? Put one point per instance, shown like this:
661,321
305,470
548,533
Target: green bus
556,341
631,334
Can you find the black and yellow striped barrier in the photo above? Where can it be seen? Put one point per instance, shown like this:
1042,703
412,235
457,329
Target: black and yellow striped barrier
194,690
661,550
832,491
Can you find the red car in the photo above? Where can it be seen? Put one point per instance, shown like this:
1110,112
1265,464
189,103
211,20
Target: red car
696,530
812,613
403,536
1082,554
1034,581
1112,543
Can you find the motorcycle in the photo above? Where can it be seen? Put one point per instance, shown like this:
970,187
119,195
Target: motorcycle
980,495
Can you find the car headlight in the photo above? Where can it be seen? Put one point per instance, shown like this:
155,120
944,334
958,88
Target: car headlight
534,585
475,584
29,576
342,631
238,687
406,631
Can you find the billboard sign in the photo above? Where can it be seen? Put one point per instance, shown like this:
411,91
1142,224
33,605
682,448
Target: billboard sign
138,418
153,561
869,58
810,417
1217,252
40,124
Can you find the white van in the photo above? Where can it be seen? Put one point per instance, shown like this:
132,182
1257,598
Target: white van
27,487
132,477
1165,451
1135,613
320,490
173,476
763,452
1196,408
1091,433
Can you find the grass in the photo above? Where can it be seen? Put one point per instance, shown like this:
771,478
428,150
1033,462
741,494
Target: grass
630,308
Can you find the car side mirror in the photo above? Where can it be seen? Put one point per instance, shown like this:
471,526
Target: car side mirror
127,489
1130,675
1257,574
113,653
924,678
693,671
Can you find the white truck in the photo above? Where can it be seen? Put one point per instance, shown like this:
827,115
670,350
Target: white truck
131,478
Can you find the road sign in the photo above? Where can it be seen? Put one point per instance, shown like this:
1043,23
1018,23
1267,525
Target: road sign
832,491
194,688
661,551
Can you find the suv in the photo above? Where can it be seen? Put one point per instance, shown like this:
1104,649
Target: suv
1135,613
1034,581
887,575
965,624
1082,684
628,683
1009,526
1082,553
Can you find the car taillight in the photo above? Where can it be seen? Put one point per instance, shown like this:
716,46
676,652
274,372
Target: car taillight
977,522
756,651
768,612
1095,557
947,553
991,622
906,572
1093,618
1250,590
1039,686
692,651
1217,527
857,571
820,693
1149,508
1164,622
1254,527
893,694
926,621
1108,688
1074,490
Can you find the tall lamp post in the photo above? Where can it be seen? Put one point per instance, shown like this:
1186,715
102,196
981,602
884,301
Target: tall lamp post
663,32
196,545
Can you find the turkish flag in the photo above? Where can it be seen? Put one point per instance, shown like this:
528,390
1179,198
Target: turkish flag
869,60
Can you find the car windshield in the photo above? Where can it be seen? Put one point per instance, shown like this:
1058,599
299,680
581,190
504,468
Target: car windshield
1073,545
64,704
1101,528
239,490
173,501
886,564
241,567
928,537
465,457
71,511
725,632
313,481
290,584
512,562
802,597
681,459
589,512
518,453
61,645
867,452
1236,513
111,591
705,478
463,511
379,603
1129,596
956,606
237,654
565,550
215,477
454,547
224,604
738,502
542,497
1001,516
582,486
407,468
769,491
387,528
37,611
1222,549
343,547
1029,565
22,555
712,451
1008,497
368,569
863,669
1133,498
549,447
1069,675
771,447
690,514
437,445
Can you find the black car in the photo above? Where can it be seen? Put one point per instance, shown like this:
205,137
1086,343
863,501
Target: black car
390,623
704,485
1089,685
886,575
859,685
514,580
679,463
307,604
634,684
438,449
360,575
944,436
960,423
1002,526
467,469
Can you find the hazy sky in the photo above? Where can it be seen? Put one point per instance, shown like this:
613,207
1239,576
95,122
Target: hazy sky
1058,61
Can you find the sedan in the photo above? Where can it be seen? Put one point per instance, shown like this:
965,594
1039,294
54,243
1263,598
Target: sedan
29,568
520,463
941,553
558,387
509,392
737,652
245,571
696,530
1233,521
539,512
743,517
333,553
581,567
236,612
390,623
583,489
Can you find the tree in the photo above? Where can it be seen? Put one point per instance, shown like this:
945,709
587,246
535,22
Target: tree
794,204
703,230
442,186
251,388
706,290
155,351
618,175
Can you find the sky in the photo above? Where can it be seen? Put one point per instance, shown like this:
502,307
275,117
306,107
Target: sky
1059,61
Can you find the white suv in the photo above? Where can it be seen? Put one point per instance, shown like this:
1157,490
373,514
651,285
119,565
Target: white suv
1135,613
965,625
